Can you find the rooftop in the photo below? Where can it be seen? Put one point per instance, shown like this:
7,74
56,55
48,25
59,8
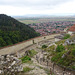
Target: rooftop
72,28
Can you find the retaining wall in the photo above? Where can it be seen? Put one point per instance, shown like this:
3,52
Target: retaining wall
19,46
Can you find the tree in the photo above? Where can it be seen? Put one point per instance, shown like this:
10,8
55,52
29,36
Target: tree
2,42
13,31
60,48
7,40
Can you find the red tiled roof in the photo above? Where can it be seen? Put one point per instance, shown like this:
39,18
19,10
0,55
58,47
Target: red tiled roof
72,28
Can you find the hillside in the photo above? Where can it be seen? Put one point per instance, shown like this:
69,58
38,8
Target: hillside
64,53
13,31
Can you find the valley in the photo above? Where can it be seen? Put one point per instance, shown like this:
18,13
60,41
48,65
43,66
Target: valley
37,37
48,25
26,52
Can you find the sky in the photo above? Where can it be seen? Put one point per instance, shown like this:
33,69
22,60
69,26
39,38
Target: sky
43,7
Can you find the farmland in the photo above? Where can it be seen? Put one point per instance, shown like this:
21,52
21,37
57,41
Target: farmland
44,20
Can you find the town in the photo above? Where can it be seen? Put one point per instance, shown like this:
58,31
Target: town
47,28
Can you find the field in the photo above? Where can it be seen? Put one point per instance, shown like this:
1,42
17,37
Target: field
41,20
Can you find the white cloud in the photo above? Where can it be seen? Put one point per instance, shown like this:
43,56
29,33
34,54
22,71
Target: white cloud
22,7
68,7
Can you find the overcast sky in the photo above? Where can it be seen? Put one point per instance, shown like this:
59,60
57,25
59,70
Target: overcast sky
48,7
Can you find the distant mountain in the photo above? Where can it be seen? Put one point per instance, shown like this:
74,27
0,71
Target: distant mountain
13,31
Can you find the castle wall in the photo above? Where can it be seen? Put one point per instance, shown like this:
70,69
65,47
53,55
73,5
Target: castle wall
19,46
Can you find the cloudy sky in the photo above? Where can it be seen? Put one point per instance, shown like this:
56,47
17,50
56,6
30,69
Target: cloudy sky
47,7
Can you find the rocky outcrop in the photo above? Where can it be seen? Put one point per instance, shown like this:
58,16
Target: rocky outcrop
10,64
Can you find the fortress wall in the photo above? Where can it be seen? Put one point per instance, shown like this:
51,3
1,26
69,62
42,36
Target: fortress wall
19,46
14,48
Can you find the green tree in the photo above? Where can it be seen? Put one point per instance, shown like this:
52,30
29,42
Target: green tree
7,40
2,42
12,31
60,48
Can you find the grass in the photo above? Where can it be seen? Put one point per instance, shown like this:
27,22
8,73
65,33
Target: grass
67,36
40,67
67,59
48,71
27,69
32,53
73,67
51,48
60,42
25,59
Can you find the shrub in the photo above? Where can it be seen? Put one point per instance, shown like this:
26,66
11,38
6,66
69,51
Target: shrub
44,46
56,57
73,51
73,67
60,61
66,36
60,48
25,59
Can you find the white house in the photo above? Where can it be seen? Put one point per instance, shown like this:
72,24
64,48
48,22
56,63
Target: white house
71,30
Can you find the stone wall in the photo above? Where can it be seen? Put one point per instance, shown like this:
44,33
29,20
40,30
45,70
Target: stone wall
19,46
9,65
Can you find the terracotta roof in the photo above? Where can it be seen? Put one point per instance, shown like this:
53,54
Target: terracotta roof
72,28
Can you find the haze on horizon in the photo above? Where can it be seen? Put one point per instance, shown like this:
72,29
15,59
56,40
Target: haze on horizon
44,7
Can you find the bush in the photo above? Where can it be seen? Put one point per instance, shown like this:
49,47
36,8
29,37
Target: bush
73,51
44,46
56,57
25,59
60,48
73,67
66,36
60,61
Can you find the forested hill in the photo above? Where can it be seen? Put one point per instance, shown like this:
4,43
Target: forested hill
13,31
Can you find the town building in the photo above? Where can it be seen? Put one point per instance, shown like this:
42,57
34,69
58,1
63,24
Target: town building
71,30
